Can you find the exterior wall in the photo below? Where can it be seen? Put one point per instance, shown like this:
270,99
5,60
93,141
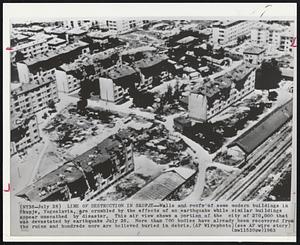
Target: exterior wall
272,37
123,26
23,73
106,86
31,49
34,100
254,58
197,107
31,137
197,104
228,34
66,83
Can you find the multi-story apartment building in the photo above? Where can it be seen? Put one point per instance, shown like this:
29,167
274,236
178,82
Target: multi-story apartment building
57,43
69,76
117,82
151,68
24,132
122,26
93,171
59,32
213,96
106,61
101,36
254,55
273,37
80,23
226,31
76,34
44,65
30,49
29,98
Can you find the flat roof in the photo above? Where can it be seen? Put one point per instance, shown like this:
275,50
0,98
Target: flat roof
26,87
151,61
119,72
54,53
138,49
57,41
77,31
187,39
254,50
265,128
100,34
227,23
164,184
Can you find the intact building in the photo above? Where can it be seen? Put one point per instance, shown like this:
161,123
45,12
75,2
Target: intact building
94,170
44,65
213,96
273,36
29,98
228,31
254,55
123,26
24,132
69,76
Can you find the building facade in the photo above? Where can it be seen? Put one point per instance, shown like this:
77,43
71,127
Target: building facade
214,96
44,65
29,98
274,37
227,31
254,55
92,172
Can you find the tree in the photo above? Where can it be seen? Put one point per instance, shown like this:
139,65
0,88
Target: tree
176,94
51,104
268,75
169,94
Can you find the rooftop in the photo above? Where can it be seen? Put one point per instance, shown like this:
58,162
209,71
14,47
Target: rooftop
26,87
151,61
162,186
51,30
120,72
254,50
227,23
210,87
104,55
138,49
57,41
77,31
99,34
187,40
54,53
75,65
265,128
69,172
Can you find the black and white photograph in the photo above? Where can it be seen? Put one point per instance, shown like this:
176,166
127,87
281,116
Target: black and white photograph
151,109
150,122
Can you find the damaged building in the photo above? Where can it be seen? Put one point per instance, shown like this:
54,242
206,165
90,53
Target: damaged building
211,97
94,170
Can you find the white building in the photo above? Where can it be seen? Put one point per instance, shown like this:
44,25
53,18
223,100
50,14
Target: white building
45,65
212,97
24,132
122,26
273,37
69,76
227,31
254,55
29,98
57,43
115,86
